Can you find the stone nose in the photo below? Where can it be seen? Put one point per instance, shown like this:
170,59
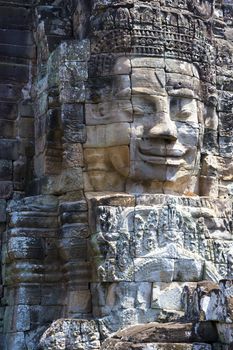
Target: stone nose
164,128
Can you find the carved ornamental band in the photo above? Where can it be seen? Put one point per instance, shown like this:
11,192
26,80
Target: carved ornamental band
116,174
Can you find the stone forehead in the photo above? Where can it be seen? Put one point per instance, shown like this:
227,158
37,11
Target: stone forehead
106,67
154,73
124,65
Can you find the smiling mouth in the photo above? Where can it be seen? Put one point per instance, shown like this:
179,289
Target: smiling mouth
164,156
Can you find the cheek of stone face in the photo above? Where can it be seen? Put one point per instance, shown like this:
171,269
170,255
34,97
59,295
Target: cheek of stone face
96,159
188,134
119,157
182,108
109,112
109,135
137,129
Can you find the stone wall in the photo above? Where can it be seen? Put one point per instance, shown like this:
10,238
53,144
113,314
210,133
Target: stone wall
17,67
115,184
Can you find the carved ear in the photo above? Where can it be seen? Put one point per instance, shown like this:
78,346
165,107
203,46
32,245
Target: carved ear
202,8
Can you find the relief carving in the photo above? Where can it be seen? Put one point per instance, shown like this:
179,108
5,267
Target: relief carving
130,205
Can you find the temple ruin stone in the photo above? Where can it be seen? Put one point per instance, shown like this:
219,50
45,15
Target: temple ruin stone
116,174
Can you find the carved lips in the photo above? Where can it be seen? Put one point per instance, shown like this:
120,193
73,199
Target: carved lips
162,155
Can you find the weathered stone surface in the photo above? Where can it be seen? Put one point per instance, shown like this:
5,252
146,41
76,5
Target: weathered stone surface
71,334
69,180
116,173
6,189
166,333
9,149
168,295
210,302
113,344
2,210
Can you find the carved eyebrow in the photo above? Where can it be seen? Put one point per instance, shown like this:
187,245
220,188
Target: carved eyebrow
185,92
148,91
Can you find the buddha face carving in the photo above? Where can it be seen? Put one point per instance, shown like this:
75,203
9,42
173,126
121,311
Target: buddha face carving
148,128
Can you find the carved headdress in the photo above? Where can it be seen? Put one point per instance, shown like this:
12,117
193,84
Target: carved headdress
167,28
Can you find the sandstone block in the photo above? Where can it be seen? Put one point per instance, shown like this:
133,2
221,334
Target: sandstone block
73,72
78,206
149,62
7,128
40,203
26,127
69,333
9,149
183,67
72,156
74,50
79,302
109,112
2,210
51,251
14,73
75,230
6,189
41,315
144,79
25,248
108,135
21,316
16,37
122,345
74,94
188,270
73,248
10,92
16,341
73,112
154,269
74,133
33,219
100,89
41,104
27,295
73,217
225,332
69,180
26,109
210,302
169,333
167,296
14,14
8,110
226,145
52,294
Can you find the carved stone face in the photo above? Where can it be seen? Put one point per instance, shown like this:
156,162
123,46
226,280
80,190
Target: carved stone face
148,127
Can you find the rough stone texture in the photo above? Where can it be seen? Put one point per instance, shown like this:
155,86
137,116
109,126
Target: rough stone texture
162,333
116,174
71,335
158,346
210,302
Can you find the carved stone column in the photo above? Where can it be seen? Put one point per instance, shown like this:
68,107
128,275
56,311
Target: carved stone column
32,277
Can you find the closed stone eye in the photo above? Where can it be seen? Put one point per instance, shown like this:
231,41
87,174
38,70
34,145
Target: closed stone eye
138,110
181,107
184,114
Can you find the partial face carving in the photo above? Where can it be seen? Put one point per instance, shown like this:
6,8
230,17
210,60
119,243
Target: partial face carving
148,126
